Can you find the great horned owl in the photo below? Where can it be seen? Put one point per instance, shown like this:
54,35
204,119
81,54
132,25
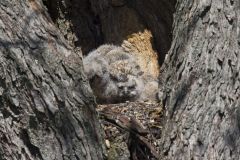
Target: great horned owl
115,76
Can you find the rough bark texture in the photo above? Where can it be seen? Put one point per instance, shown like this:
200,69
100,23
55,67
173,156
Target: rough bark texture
47,109
201,83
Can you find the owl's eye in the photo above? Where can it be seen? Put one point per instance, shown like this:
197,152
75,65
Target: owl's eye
120,87
131,87
114,77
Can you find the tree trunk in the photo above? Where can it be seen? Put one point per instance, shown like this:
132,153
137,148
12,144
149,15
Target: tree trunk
200,82
47,110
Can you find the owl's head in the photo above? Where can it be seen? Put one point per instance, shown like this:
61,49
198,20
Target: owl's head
130,89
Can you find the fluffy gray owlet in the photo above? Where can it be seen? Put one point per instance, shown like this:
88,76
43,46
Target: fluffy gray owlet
114,75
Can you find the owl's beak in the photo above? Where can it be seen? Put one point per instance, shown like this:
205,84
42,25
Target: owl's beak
125,90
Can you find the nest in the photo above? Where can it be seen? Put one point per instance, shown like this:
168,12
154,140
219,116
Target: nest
132,130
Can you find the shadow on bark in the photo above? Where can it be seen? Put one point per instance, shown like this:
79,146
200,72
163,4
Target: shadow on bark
94,22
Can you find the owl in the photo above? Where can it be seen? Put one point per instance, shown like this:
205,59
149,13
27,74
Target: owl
115,76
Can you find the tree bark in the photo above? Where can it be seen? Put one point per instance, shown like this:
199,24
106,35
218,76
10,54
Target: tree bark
47,110
200,82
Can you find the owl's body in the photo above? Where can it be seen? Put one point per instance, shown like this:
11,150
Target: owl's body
115,76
